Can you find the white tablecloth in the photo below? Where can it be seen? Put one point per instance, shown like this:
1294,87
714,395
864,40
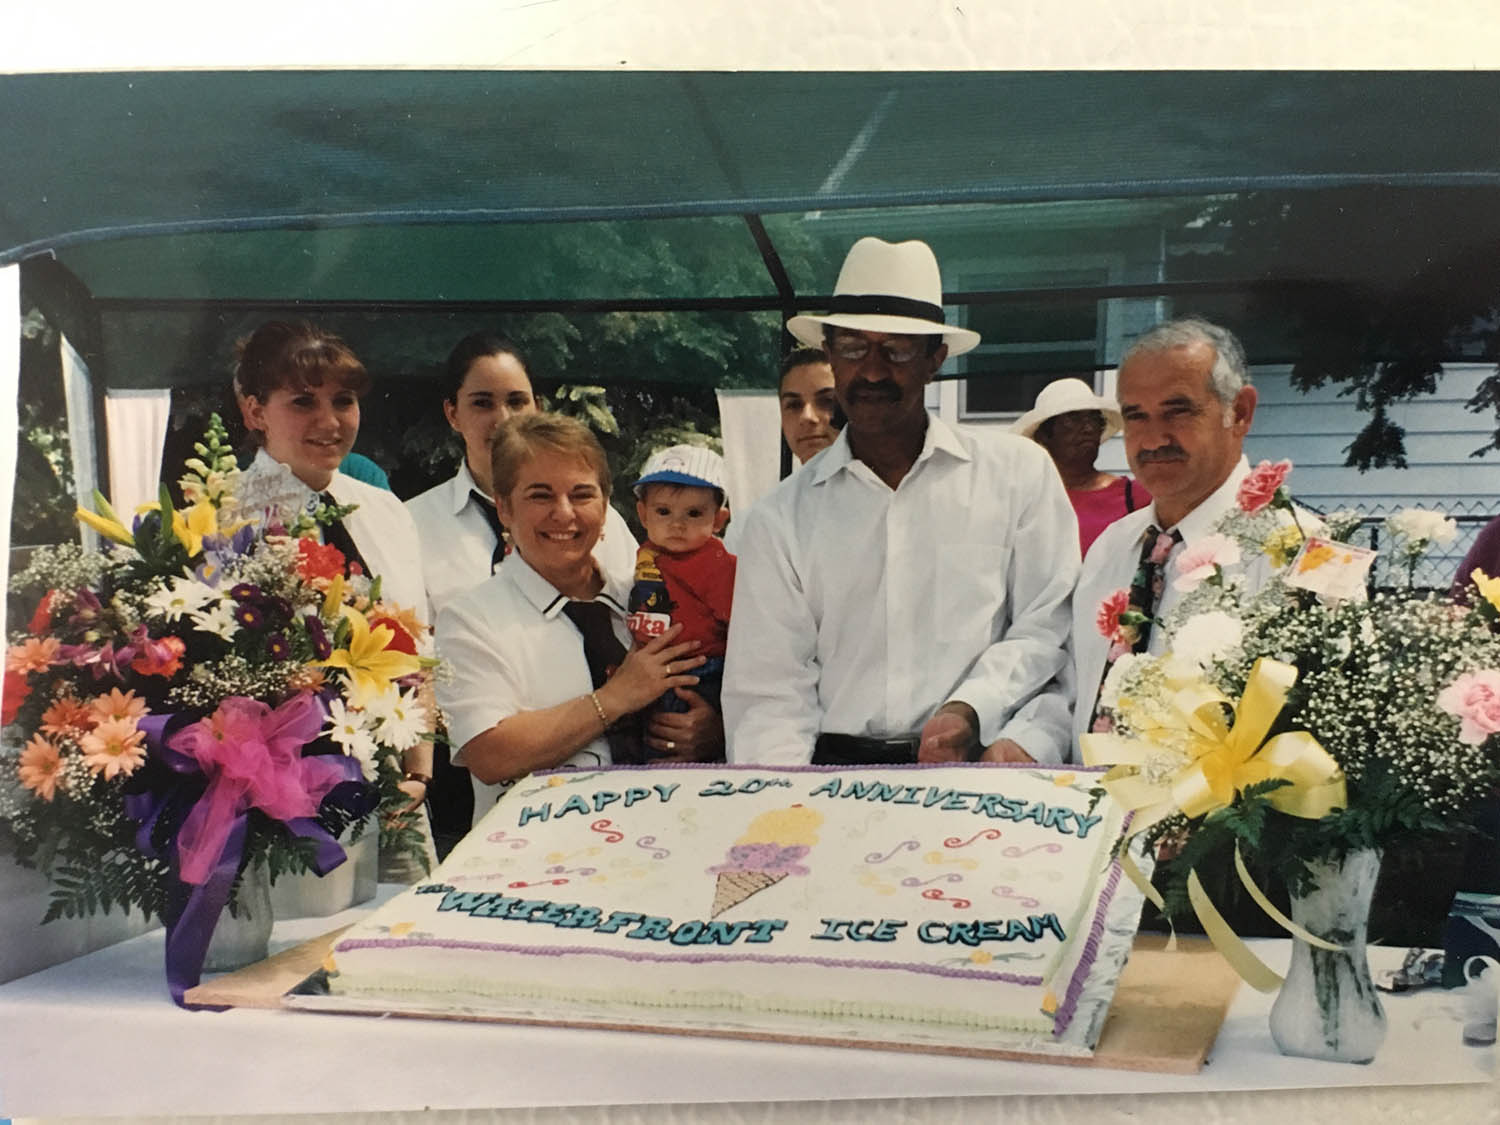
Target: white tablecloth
99,1036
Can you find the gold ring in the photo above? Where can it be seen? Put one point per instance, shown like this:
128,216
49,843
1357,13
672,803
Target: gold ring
671,746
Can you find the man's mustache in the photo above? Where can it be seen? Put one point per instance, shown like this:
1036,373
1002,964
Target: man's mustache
883,392
1165,453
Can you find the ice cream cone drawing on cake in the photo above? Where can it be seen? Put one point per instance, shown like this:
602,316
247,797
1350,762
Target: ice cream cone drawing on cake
765,855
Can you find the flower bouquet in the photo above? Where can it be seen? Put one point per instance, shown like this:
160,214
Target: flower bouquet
210,696
1297,721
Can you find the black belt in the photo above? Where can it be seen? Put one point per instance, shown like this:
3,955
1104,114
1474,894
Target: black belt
853,750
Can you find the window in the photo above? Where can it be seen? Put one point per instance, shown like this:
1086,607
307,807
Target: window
1028,344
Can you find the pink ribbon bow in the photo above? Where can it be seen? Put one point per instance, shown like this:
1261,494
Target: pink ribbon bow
252,757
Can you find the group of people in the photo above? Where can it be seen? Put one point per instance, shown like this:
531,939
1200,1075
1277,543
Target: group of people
912,592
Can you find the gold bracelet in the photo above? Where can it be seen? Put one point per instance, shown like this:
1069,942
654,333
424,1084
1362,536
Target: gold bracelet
599,710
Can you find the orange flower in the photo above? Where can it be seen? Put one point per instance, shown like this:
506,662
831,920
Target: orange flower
34,654
306,678
40,767
114,747
159,658
119,705
318,560
68,716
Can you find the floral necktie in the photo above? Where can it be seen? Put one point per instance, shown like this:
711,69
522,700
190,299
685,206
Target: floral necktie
1144,595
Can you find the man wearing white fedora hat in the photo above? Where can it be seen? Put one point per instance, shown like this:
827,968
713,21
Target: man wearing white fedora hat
1071,422
910,586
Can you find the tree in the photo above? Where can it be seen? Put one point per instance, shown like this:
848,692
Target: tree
1378,289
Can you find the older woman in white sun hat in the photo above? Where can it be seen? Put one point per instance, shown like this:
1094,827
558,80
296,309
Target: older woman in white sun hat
1070,422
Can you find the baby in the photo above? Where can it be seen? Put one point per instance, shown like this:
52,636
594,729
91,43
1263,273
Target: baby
683,574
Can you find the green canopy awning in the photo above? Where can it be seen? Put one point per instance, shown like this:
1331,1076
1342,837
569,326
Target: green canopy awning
184,202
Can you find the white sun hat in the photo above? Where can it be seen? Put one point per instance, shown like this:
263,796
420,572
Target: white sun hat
1064,396
691,465
889,287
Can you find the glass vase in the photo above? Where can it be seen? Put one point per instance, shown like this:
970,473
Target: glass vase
243,937
1328,1007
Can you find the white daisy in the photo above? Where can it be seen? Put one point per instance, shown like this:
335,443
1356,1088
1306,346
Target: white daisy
218,619
349,727
402,722
176,596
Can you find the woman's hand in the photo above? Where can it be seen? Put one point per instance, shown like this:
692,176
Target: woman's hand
416,793
696,735
649,672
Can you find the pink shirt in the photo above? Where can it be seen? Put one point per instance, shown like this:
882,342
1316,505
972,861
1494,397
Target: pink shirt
1099,508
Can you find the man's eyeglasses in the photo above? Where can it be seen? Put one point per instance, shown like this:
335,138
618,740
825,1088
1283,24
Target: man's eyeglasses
896,351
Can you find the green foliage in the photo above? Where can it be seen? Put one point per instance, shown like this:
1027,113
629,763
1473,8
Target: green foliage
96,884
1383,286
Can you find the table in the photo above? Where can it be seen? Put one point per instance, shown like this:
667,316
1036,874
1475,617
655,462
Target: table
99,1035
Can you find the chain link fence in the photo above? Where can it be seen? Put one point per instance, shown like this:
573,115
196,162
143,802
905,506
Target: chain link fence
1438,568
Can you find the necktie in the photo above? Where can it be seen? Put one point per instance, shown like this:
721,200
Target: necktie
492,517
335,534
604,652
1145,595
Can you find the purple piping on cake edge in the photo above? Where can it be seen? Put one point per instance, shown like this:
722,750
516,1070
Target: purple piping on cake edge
1090,952
746,767
688,958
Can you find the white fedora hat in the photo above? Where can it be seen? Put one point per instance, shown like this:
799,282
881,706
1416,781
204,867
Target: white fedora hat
1064,396
889,287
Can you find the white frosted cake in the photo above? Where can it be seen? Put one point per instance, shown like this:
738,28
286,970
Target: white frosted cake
958,907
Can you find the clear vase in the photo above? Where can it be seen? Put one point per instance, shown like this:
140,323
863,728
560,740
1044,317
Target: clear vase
243,936
1328,1007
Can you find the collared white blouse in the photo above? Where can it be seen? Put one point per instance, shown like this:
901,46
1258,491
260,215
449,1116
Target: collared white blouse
457,543
509,648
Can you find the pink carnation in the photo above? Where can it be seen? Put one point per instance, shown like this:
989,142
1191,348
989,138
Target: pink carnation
1475,699
1110,610
1259,488
1200,560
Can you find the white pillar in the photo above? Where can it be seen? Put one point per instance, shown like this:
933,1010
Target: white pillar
78,396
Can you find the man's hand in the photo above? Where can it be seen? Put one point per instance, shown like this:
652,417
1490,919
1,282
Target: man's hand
696,735
1004,750
951,735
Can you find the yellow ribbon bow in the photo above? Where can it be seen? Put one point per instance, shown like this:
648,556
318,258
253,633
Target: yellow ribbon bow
1220,749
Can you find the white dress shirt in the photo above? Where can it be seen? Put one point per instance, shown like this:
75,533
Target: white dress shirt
509,648
457,543
860,609
1111,565
380,526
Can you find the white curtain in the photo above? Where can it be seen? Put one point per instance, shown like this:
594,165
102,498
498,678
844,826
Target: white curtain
136,424
10,384
751,424
80,405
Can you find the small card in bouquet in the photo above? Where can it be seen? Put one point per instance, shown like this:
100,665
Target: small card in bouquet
1331,569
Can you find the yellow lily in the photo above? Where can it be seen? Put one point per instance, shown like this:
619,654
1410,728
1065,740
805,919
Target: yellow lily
109,527
371,666
1489,588
333,597
191,526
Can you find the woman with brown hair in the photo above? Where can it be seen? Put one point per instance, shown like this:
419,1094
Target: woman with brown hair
299,388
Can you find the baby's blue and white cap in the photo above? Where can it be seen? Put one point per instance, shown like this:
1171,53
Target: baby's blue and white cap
691,465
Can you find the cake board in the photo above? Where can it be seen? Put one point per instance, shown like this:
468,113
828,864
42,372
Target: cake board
1166,1013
